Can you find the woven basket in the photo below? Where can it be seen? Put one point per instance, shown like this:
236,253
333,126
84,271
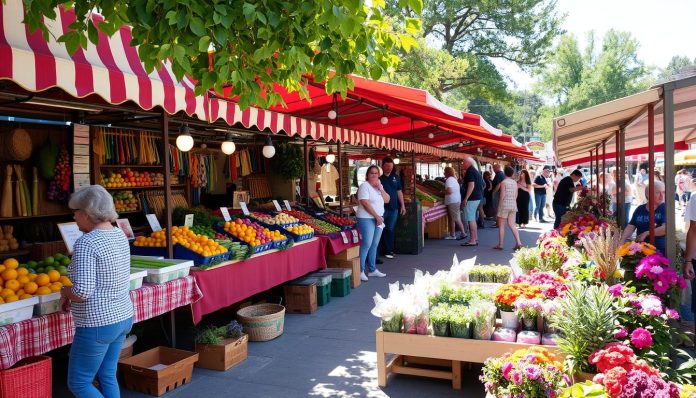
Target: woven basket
15,146
262,322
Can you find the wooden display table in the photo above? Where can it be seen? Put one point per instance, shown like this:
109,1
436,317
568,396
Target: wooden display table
433,350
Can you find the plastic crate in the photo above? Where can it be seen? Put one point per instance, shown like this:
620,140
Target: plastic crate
323,294
178,269
255,249
18,311
148,251
340,281
279,243
296,237
323,279
136,279
28,378
183,253
48,304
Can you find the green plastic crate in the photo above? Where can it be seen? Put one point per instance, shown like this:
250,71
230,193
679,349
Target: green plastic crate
340,287
323,294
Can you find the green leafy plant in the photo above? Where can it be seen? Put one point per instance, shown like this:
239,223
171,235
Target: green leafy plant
459,295
586,318
211,335
288,161
528,258
586,389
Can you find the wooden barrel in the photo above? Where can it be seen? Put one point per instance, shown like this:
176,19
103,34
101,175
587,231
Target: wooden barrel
15,146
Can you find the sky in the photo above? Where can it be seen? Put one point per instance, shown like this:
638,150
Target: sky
663,27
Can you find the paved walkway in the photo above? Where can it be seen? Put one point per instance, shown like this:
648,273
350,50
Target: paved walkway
331,353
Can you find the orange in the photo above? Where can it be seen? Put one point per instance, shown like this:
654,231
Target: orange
25,296
32,277
12,284
11,263
9,274
5,293
53,275
23,280
22,271
19,292
2,267
43,290
31,288
55,286
65,281
11,299
2,300
43,279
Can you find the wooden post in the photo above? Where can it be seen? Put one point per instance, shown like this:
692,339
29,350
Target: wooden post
167,184
604,180
651,170
620,182
306,170
668,139
340,177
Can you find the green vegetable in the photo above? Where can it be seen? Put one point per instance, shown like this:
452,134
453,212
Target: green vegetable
46,159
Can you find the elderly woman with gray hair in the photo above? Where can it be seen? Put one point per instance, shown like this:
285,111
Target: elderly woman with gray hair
99,297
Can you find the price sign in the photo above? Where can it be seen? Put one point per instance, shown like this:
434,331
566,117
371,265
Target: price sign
225,213
356,238
287,205
154,222
125,226
277,205
188,221
244,207
344,236
70,233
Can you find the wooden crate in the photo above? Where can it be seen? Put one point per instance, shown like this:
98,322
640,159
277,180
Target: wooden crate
437,229
352,264
439,348
172,368
222,356
348,254
301,299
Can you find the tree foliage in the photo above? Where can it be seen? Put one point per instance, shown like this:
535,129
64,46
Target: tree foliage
678,66
256,42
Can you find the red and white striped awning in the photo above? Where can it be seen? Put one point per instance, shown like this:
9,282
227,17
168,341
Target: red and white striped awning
113,71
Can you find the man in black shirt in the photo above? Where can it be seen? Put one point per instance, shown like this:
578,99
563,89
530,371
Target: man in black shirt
472,193
564,195
540,184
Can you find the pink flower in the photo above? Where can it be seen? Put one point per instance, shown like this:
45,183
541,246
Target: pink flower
651,305
621,333
598,378
516,378
656,269
660,286
507,367
673,314
641,338
532,372
616,290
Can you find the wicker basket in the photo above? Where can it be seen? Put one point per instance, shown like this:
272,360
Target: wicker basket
262,322
15,146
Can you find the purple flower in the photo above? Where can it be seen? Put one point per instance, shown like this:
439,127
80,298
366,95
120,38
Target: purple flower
651,305
641,338
634,248
673,314
507,367
532,372
656,269
616,290
621,333
517,378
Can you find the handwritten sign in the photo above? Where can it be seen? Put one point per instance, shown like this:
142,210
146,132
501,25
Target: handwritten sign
154,222
188,220
125,226
244,207
344,236
287,205
356,238
225,213
277,205
70,233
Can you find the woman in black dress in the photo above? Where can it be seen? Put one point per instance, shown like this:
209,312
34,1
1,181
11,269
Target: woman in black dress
524,182
488,194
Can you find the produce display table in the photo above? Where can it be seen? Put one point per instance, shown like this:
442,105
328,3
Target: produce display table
233,281
335,245
449,349
42,334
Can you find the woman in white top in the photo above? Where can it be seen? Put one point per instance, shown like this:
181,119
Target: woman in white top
507,209
371,200
453,201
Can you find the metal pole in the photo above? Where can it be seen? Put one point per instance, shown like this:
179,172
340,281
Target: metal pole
668,126
590,182
651,170
620,182
340,178
306,170
168,207
413,160
604,180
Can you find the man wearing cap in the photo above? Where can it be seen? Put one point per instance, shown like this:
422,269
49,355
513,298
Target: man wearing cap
540,184
392,185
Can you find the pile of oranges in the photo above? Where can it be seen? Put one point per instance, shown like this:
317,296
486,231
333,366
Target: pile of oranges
252,233
200,244
18,283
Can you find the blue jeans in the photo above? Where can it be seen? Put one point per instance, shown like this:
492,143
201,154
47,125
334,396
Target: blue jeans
540,201
370,242
390,217
558,211
95,352
627,209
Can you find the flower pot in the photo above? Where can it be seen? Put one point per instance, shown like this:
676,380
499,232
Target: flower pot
530,324
461,331
548,328
441,329
393,325
483,330
474,278
509,319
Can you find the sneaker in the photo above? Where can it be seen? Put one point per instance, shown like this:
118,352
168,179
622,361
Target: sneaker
389,255
377,274
450,237
363,277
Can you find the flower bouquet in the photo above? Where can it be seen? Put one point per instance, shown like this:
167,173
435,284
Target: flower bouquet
630,254
576,225
654,274
483,317
552,285
525,373
529,310
506,296
439,317
587,202
460,320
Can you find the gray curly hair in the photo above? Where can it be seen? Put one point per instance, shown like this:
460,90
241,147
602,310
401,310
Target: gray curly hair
96,201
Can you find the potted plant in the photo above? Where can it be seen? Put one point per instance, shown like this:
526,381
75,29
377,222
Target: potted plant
529,373
506,296
501,274
439,317
220,348
460,321
527,258
529,310
483,317
474,274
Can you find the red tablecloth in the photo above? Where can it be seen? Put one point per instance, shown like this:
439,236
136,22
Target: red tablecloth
237,281
42,334
434,213
335,245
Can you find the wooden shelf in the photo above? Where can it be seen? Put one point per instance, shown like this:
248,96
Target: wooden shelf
14,253
2,219
145,188
128,212
136,166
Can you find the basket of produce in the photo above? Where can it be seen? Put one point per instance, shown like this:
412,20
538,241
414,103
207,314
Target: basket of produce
282,220
184,253
262,322
344,223
238,250
300,232
248,232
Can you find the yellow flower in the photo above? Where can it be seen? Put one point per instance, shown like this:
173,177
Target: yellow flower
618,273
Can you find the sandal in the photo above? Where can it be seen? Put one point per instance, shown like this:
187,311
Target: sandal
469,244
498,247
518,247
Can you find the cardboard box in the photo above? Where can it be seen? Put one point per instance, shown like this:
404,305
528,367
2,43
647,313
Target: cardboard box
222,356
158,371
352,264
347,254
301,298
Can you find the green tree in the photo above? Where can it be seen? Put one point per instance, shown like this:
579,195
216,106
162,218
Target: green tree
677,66
255,43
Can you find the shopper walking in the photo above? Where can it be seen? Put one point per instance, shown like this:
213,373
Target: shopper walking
507,209
540,185
392,185
371,200
524,184
99,297
473,193
551,182
564,195
453,201
498,177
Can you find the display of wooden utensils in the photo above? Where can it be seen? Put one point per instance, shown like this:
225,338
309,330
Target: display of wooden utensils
127,147
7,240
22,195
155,201
6,205
16,145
